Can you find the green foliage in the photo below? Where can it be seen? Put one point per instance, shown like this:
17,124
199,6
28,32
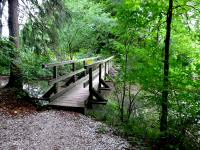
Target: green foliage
72,29
5,49
89,28
134,31
32,65
137,127
68,28
140,33
42,30
107,113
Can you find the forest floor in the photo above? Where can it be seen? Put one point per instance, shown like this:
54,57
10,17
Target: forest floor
23,127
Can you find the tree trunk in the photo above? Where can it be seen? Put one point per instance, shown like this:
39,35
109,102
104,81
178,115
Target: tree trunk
165,92
15,80
2,4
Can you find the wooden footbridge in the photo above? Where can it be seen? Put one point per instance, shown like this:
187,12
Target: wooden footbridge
81,86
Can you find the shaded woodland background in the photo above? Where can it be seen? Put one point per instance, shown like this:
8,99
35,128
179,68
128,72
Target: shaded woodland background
157,58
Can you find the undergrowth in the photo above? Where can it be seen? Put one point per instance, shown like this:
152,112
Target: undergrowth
142,129
137,131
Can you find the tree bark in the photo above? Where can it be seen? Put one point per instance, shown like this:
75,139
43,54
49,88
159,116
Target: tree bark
165,92
2,4
15,80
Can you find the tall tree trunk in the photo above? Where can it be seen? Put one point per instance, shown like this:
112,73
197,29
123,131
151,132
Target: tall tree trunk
165,92
15,80
2,4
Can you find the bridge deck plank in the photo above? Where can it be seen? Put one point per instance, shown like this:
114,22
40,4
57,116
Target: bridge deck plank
77,96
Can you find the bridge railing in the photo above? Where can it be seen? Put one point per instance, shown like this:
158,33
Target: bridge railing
106,63
68,78
92,66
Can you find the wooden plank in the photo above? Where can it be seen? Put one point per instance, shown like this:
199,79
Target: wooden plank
97,95
68,100
104,89
99,62
48,93
89,105
109,58
98,102
67,62
57,64
105,69
107,81
73,69
68,81
104,83
55,75
68,88
68,104
90,81
65,76
84,64
100,69
76,96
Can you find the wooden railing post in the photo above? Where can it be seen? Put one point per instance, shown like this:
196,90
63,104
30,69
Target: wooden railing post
105,69
55,75
90,88
90,80
84,64
108,66
100,70
73,69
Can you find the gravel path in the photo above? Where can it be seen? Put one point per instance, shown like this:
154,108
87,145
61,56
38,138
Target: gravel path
56,130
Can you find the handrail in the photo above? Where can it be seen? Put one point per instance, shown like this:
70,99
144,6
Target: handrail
68,62
55,80
99,62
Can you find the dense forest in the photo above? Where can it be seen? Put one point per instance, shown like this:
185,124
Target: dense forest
156,49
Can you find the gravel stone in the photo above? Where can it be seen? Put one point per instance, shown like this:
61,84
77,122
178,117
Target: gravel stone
56,130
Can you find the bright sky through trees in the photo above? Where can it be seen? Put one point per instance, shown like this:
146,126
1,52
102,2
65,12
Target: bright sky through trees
23,15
